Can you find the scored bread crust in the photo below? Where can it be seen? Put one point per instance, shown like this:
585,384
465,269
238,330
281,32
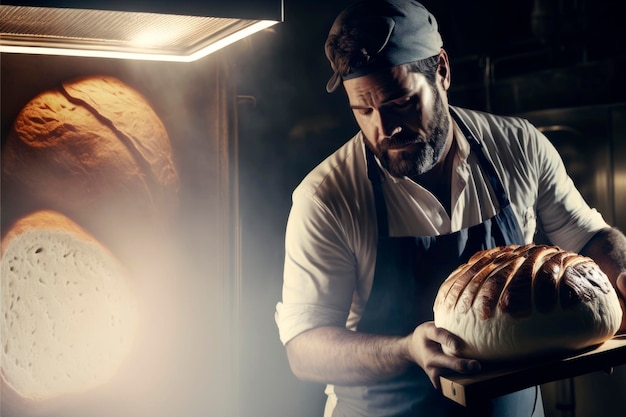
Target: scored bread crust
513,302
94,149
69,310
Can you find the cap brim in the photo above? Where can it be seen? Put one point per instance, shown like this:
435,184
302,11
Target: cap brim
333,83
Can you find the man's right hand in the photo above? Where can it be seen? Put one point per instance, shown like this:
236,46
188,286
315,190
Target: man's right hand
426,347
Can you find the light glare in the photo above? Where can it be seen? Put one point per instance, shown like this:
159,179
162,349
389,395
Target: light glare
98,53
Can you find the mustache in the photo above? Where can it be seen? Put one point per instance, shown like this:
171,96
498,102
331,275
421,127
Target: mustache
402,138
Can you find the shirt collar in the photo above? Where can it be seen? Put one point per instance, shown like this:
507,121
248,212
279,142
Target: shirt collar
463,146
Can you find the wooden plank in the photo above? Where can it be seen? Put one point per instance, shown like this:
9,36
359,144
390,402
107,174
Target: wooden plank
494,382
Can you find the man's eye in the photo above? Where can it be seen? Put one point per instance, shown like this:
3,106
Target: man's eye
406,104
365,112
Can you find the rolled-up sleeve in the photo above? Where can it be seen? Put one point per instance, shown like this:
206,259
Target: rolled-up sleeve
567,219
319,271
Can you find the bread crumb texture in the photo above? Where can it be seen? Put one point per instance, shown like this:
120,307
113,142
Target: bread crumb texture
69,312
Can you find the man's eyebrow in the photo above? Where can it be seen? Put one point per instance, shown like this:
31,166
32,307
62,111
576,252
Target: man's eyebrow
400,96
404,94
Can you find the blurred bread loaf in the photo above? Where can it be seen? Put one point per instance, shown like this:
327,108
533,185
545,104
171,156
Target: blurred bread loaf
515,302
95,150
69,311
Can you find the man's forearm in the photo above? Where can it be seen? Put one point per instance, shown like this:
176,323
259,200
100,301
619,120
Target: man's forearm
339,356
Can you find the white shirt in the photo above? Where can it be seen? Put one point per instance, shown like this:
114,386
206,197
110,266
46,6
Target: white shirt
331,236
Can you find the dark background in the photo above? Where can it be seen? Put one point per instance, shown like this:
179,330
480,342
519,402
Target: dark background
515,57
507,57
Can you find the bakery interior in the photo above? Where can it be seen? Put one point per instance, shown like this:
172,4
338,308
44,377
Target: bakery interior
247,122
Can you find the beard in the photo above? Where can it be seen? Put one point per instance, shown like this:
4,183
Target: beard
422,152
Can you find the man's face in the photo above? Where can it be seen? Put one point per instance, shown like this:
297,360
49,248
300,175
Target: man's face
404,118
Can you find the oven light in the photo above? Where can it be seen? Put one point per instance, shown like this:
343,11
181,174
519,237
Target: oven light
256,27
121,34
150,56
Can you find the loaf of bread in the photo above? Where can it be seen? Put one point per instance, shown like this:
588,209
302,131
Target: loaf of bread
515,302
93,149
70,313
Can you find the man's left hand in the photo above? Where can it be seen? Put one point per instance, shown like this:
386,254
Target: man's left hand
621,293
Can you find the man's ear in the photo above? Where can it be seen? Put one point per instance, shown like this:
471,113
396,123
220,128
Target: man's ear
443,69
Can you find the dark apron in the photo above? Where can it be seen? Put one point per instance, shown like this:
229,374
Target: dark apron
409,271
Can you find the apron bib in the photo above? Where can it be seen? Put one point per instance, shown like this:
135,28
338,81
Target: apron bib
408,273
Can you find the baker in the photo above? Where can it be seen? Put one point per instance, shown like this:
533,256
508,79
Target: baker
376,227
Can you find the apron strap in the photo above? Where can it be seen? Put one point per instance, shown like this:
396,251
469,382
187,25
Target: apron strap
379,197
485,163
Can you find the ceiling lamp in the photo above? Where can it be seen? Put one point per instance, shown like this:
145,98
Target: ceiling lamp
177,30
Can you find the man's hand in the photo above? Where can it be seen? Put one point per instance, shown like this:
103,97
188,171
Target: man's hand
427,347
608,248
620,285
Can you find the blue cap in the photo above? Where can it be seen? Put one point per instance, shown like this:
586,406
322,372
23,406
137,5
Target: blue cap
387,33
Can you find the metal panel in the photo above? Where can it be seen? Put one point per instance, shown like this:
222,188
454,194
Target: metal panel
619,164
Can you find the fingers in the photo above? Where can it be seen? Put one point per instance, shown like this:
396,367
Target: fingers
449,342
449,352
442,364
436,351
621,284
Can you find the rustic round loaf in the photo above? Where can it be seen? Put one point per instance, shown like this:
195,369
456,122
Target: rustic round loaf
93,149
515,302
70,313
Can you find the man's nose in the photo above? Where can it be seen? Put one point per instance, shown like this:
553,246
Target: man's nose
388,125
